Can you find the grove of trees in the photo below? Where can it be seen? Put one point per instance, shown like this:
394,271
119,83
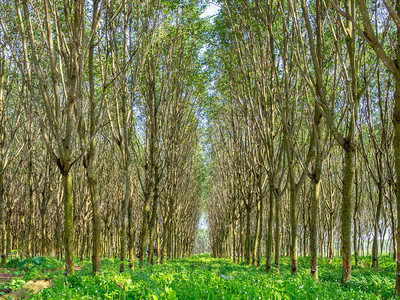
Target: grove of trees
124,123
304,132
100,152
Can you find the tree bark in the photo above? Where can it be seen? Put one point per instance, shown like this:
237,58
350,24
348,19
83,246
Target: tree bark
2,221
277,232
396,146
69,243
314,226
375,256
269,232
347,205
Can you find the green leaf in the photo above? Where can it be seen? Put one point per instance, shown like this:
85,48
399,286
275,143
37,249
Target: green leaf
38,260
26,261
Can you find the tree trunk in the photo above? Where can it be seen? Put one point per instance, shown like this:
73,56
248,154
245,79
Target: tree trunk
29,234
269,233
392,221
396,146
247,240
234,239
124,216
69,243
375,256
260,235
44,235
346,213
255,246
143,234
132,236
277,232
91,168
2,222
152,224
314,226
96,219
293,230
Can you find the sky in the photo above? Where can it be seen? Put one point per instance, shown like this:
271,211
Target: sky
211,10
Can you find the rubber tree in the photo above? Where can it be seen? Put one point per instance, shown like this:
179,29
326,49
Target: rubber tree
88,134
57,115
10,121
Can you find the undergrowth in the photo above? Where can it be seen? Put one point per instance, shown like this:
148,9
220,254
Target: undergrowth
203,277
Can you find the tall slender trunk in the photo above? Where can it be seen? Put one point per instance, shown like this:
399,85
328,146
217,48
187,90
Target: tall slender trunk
269,232
293,191
293,228
2,221
375,256
314,226
230,248
393,222
124,216
131,234
8,228
30,233
69,243
349,148
355,217
316,175
277,232
164,239
304,230
91,169
234,238
260,234
2,157
88,242
58,225
247,240
143,234
396,146
96,219
255,246
346,213
158,242
169,241
84,238
43,232
153,216
241,235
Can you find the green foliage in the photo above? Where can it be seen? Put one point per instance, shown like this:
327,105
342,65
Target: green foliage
16,283
13,263
39,263
33,266
203,277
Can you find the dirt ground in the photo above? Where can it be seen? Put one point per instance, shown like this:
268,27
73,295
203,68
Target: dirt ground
31,287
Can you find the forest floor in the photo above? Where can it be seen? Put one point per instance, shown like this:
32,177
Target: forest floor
202,277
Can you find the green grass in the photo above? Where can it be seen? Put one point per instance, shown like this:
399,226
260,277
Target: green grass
199,277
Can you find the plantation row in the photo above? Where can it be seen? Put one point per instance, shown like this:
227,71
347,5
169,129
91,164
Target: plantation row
100,149
305,133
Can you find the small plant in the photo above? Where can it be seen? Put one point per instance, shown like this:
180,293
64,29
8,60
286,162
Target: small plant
13,263
74,281
16,283
31,263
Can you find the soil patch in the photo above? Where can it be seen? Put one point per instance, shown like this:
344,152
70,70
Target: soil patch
31,287
5,276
